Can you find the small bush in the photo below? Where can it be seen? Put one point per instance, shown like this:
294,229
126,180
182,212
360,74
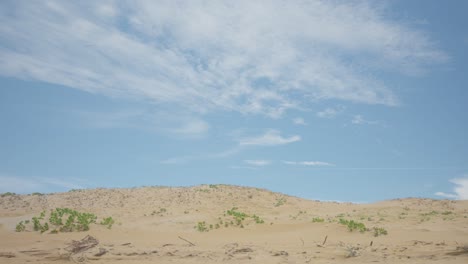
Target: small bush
63,220
7,194
379,231
20,227
201,227
353,225
108,222
280,201
318,220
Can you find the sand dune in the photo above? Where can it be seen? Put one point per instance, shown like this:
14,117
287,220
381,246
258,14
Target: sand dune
167,225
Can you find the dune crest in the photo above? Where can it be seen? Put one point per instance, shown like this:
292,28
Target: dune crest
231,224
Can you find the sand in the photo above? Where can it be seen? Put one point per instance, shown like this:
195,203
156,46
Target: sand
157,225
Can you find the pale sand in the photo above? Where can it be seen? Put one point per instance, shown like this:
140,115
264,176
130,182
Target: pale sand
287,236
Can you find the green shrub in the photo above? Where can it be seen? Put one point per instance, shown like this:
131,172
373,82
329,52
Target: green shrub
20,227
318,220
108,222
7,194
63,220
379,231
353,225
201,227
280,201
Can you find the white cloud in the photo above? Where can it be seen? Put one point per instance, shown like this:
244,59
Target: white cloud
36,184
359,120
171,124
193,128
308,163
258,162
244,56
460,191
202,156
299,121
447,195
270,138
330,112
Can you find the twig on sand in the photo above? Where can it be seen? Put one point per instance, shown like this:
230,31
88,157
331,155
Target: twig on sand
192,244
325,240
82,245
302,241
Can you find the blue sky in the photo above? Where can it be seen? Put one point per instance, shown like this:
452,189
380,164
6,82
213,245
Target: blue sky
334,100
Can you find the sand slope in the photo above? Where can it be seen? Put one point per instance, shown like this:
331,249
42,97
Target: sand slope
156,225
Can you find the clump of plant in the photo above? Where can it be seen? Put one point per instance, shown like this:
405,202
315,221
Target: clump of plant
353,225
280,201
201,227
20,227
213,186
233,217
7,194
109,221
379,231
318,220
257,219
63,220
161,212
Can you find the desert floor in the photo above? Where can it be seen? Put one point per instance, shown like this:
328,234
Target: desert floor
165,225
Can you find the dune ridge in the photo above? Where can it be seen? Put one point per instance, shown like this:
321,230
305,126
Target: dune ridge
162,225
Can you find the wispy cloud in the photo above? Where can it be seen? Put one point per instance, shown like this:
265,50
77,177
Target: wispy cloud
37,184
192,128
299,121
258,162
172,124
359,120
308,163
330,112
202,156
460,191
270,138
243,56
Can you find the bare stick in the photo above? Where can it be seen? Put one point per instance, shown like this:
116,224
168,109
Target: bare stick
302,241
325,241
192,244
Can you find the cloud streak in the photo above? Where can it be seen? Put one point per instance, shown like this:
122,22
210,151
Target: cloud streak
259,163
308,163
243,56
270,138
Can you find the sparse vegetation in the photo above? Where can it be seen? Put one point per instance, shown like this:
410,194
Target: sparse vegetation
233,217
160,212
201,227
379,231
37,194
20,227
280,201
213,186
353,225
108,221
318,220
63,220
7,194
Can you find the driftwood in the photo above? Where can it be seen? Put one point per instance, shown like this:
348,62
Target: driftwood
325,241
82,245
192,244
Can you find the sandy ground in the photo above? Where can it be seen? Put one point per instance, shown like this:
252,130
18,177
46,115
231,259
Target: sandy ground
157,225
